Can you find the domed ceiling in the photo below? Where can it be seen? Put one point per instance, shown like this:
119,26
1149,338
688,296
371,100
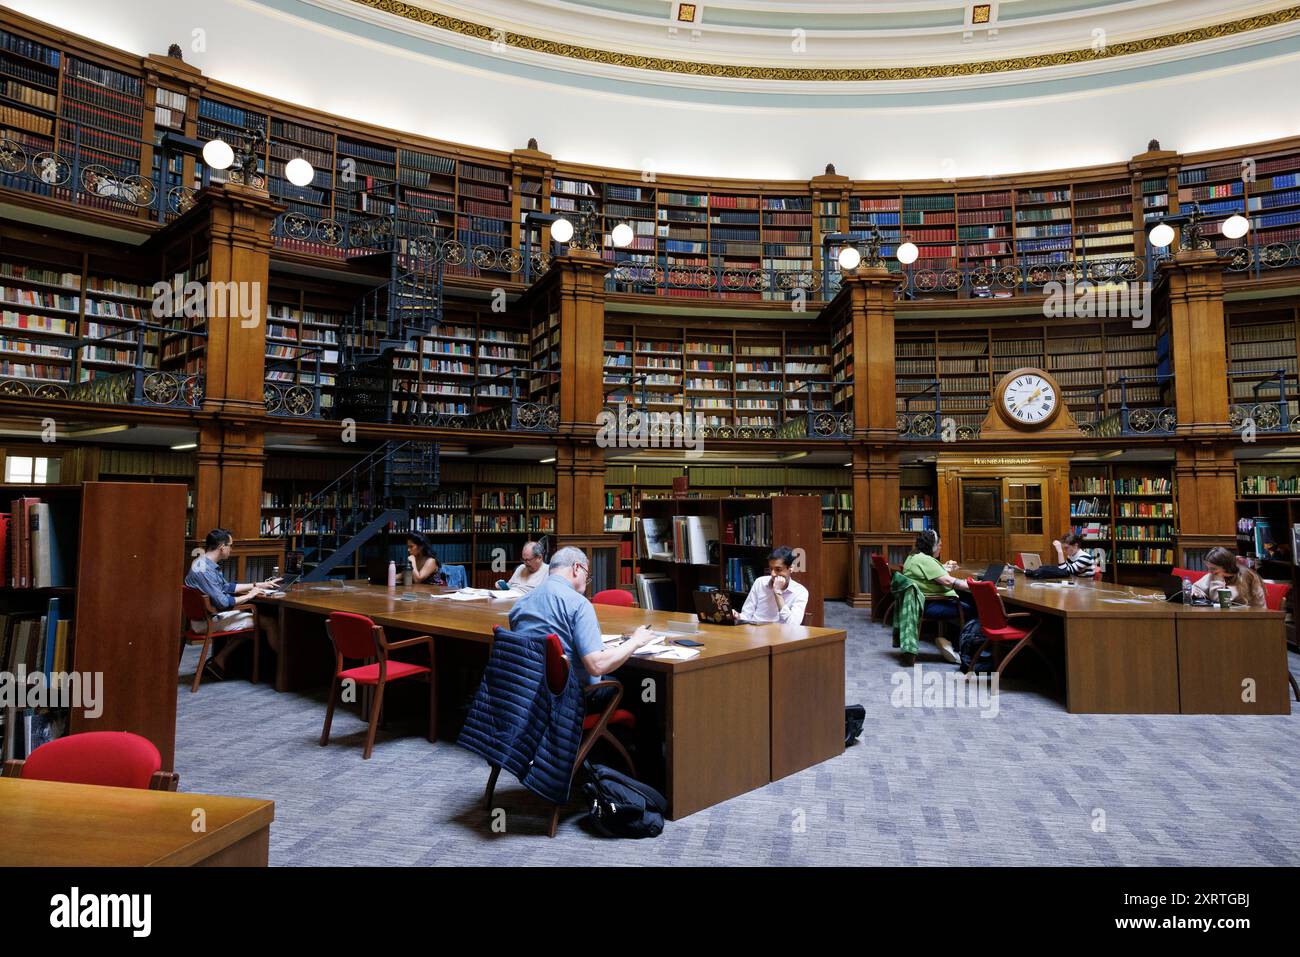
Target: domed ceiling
769,89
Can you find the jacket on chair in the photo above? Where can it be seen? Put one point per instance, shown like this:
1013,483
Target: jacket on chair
517,724
909,603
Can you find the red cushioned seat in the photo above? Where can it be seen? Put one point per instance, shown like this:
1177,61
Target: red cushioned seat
195,606
116,759
619,717
369,674
614,596
996,627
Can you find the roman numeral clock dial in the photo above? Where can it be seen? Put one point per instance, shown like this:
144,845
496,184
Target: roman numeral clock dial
1028,399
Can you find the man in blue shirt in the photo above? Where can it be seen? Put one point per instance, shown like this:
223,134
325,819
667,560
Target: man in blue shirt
205,575
557,606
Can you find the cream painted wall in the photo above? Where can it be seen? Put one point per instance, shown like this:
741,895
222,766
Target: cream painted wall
282,53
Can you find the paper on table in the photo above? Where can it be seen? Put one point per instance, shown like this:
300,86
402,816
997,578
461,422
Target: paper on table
508,593
678,654
654,648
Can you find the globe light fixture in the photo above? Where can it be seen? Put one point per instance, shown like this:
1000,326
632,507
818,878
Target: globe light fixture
1235,226
1161,236
217,154
849,258
907,253
299,172
561,230
621,235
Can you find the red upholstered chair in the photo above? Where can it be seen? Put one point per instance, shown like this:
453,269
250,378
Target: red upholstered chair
614,596
1275,597
881,577
196,606
115,759
357,638
996,625
595,726
1187,574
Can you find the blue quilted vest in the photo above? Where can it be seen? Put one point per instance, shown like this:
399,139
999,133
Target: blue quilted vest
516,724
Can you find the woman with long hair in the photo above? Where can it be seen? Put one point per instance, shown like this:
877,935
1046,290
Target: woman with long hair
939,587
425,567
1225,572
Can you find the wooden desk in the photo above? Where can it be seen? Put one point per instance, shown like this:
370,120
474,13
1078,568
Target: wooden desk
758,703
1219,651
1157,657
50,824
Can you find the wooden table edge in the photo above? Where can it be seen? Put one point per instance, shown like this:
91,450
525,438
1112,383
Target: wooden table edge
254,820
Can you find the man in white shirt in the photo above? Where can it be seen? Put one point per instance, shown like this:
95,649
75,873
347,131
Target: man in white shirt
533,572
776,598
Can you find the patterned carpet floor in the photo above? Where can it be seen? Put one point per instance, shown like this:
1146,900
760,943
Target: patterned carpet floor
1031,785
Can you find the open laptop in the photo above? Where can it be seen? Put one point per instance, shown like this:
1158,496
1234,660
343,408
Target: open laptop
993,573
1173,588
713,607
1030,561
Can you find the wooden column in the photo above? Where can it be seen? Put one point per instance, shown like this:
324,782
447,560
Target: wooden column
228,479
1206,476
875,515
1197,335
239,226
581,292
867,295
579,489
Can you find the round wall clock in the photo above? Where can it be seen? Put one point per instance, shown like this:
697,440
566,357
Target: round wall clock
1027,398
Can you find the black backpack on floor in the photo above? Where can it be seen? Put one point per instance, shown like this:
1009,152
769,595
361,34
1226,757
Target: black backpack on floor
622,806
855,716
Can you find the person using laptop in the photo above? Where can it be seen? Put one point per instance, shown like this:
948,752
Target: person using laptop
939,587
1246,586
225,597
1072,557
775,598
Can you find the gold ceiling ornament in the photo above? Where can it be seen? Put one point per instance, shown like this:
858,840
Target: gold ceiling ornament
837,75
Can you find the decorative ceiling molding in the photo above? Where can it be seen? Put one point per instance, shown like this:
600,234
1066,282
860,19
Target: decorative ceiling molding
532,44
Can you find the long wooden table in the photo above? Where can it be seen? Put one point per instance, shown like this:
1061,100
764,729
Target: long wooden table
51,824
1151,656
758,703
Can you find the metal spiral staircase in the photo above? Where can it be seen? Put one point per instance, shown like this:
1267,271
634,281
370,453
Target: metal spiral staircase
374,495
405,306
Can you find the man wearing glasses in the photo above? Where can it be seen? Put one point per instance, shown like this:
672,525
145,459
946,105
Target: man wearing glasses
532,572
558,607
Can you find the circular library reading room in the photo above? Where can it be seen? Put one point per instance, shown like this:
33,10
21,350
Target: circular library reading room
798,434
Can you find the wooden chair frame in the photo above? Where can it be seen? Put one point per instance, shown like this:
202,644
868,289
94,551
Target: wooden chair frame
209,635
158,781
382,647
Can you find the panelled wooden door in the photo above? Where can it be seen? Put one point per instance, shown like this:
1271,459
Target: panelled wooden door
1025,517
981,521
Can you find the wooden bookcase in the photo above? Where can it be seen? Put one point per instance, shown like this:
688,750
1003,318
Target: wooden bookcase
793,522
916,498
124,567
1131,511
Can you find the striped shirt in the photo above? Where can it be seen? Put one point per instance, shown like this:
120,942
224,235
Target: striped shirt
1081,564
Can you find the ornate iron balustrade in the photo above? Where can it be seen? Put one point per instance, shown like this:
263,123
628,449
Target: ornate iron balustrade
1259,259
927,422
516,410
294,398
1263,414
1126,420
75,174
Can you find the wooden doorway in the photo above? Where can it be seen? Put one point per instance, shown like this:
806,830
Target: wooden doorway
993,507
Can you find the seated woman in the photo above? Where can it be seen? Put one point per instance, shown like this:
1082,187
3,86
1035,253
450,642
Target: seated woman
1224,572
936,581
425,567
1073,558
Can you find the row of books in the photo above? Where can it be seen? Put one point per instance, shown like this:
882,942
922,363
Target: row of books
33,546
30,645
1270,485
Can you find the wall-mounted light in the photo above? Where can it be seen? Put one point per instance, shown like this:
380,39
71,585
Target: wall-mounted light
299,172
1235,226
548,461
217,154
1161,235
561,230
185,446
622,235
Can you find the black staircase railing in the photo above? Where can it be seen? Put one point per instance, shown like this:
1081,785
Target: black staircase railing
373,496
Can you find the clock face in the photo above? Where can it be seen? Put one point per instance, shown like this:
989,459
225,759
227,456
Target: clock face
1029,399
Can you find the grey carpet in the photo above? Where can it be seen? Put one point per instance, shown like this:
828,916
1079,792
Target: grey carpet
1031,786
